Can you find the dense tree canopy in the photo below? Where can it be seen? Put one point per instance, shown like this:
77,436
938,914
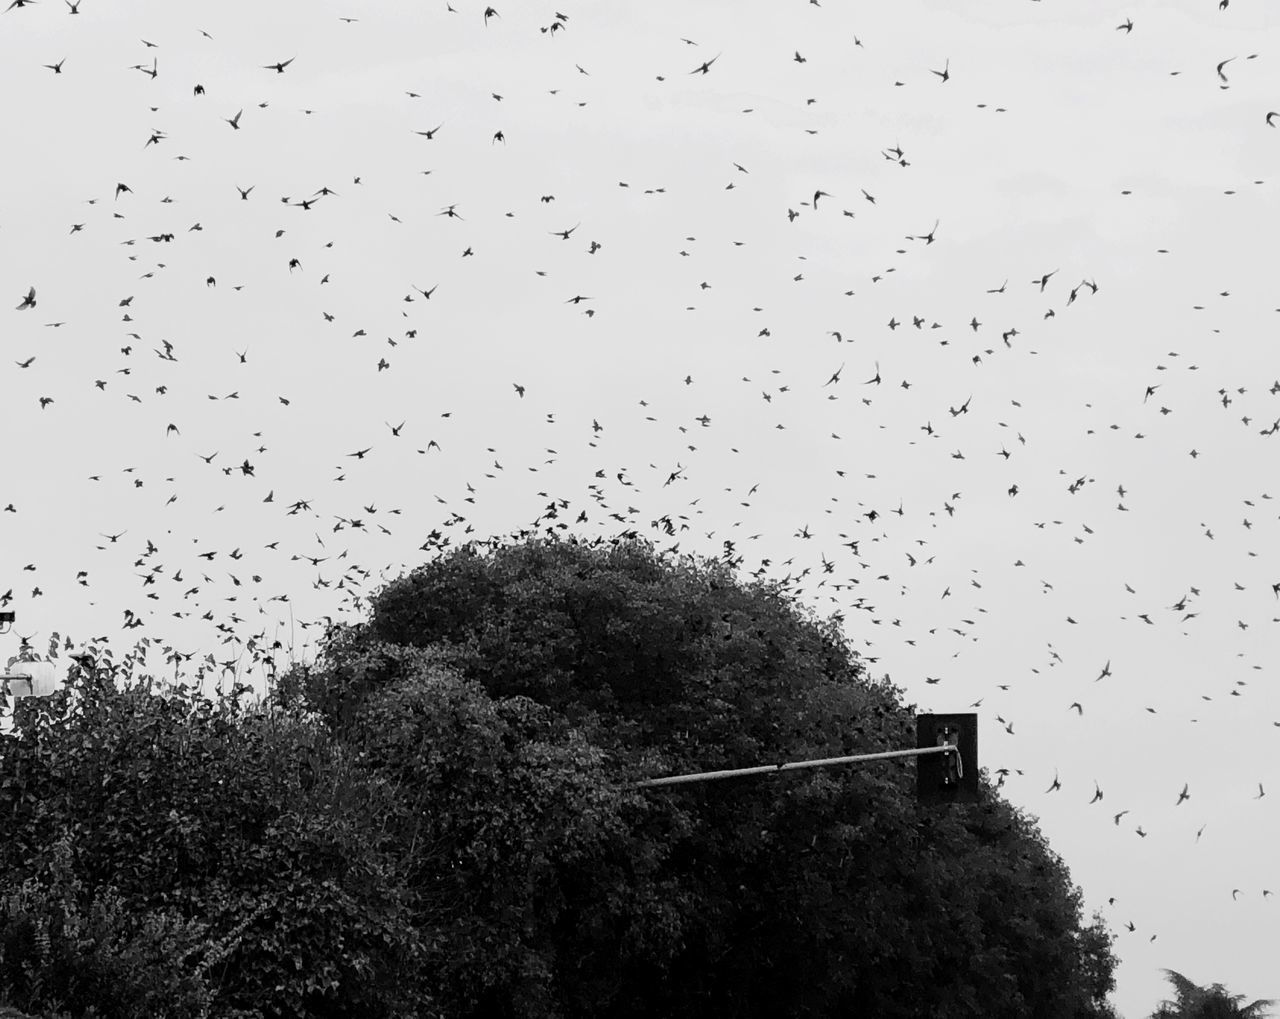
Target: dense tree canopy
165,855
513,689
437,818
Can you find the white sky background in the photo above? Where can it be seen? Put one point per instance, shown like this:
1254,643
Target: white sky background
1022,157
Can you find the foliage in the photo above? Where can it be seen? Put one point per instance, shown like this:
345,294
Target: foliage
519,846
1191,1001
438,818
175,810
580,666
64,948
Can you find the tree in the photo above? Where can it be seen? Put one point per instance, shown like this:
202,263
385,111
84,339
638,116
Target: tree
515,689
1191,1001
166,855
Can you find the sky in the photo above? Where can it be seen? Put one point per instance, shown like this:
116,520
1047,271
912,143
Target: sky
1005,395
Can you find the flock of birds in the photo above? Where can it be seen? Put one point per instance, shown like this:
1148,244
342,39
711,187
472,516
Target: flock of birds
230,569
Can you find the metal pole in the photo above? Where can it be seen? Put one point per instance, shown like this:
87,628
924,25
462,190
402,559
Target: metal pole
709,776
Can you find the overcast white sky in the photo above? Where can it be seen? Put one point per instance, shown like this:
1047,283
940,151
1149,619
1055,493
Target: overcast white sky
1059,144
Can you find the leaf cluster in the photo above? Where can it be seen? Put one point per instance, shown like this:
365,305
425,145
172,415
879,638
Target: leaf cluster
439,817
1213,1001
222,860
806,894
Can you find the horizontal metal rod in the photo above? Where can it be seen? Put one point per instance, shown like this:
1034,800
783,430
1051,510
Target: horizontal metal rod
710,776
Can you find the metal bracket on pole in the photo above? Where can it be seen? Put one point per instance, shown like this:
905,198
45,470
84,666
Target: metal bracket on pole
17,683
765,769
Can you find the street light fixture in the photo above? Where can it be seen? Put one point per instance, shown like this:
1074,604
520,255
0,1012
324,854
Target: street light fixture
946,755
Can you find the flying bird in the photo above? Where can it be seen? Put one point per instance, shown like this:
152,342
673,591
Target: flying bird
928,238
279,68
29,301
